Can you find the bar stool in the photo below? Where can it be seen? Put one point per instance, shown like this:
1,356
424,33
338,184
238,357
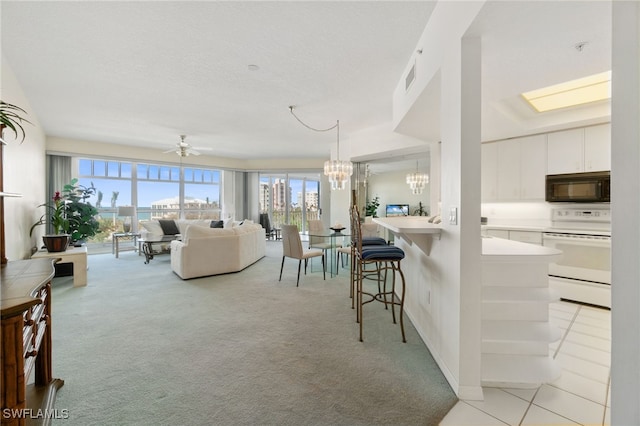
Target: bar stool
384,258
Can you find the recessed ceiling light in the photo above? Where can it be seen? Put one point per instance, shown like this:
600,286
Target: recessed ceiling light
253,67
581,91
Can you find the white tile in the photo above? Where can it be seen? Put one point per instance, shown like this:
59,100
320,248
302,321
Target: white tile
591,370
584,352
589,341
595,322
561,315
562,324
595,312
603,333
607,416
526,394
582,386
463,414
502,405
537,416
565,404
564,306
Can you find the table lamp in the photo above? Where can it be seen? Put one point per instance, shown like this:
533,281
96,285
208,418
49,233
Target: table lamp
127,212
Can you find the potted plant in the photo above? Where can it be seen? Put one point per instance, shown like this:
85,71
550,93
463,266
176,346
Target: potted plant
10,117
70,216
371,208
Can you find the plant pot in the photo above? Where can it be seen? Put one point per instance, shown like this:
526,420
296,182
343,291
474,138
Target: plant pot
56,243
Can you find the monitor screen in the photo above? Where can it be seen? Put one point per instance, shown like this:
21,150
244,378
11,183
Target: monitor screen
397,210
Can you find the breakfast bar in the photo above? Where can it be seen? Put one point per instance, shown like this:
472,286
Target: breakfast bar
514,300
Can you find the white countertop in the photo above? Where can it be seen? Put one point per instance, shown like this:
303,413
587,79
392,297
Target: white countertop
408,225
499,249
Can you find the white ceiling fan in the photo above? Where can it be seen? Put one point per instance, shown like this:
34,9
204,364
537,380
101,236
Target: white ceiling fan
184,149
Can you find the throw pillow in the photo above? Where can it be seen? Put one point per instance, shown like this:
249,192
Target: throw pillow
169,226
216,224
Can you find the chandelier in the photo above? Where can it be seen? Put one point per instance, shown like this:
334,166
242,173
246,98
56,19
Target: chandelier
417,181
338,172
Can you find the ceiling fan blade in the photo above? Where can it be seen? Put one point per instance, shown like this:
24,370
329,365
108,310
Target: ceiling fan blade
193,151
169,150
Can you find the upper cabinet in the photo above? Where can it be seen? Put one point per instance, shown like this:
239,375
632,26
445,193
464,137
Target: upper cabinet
514,169
597,148
489,175
579,150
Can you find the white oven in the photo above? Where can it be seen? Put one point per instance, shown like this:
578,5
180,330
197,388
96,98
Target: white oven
583,273
584,257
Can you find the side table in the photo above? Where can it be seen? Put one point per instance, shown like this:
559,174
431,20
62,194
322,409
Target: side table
117,236
75,255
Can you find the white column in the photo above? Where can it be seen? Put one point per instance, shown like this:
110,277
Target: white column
625,214
460,186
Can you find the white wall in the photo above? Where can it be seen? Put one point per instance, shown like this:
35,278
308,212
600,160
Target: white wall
24,173
392,188
443,295
625,215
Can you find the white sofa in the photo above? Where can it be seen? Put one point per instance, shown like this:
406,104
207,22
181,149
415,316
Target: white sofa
205,251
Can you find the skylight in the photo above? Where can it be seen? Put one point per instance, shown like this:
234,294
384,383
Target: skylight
584,90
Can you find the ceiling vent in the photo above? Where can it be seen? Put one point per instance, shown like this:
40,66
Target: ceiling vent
411,76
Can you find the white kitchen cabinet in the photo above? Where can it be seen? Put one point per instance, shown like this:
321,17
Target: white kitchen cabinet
565,152
533,167
531,237
597,148
498,233
489,175
509,170
520,166
579,150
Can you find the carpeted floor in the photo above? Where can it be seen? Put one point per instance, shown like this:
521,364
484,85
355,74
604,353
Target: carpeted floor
140,346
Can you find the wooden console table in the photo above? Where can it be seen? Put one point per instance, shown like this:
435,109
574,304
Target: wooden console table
26,338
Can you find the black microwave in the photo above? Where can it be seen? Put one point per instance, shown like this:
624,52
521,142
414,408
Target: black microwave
591,187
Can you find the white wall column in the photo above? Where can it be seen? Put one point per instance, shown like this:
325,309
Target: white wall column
625,214
460,186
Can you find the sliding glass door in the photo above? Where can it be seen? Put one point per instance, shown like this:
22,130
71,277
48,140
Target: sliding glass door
290,198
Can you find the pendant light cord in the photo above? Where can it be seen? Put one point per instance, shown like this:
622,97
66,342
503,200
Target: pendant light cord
335,126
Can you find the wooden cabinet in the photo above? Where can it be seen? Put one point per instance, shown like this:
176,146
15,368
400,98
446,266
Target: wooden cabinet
579,150
26,337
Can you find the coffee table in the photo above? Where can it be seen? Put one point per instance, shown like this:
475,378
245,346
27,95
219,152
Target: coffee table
146,245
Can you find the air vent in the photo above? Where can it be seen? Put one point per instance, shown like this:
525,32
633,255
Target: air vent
411,76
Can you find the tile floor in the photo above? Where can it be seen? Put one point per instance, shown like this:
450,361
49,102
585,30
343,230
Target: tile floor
579,397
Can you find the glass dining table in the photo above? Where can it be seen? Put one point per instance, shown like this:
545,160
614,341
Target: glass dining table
330,240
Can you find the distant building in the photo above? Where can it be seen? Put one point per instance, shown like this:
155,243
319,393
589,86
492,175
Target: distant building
173,203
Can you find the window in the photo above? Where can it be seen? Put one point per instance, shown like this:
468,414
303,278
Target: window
156,190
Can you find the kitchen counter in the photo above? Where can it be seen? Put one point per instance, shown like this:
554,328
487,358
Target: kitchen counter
408,225
501,250
414,229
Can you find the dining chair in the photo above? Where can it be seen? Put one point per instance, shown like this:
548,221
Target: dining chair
316,240
292,247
